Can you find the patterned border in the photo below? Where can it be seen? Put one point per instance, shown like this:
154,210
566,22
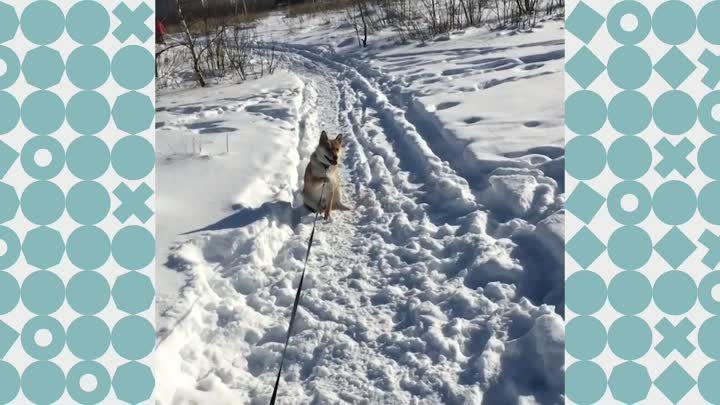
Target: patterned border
77,226
642,246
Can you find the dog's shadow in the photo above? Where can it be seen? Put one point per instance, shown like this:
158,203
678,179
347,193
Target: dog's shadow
280,211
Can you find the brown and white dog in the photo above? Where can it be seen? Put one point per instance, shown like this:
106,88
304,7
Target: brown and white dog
323,173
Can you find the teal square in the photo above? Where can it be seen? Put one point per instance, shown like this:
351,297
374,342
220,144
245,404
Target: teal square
584,67
584,22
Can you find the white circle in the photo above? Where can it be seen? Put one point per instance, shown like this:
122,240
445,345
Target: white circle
629,202
715,292
88,382
629,22
3,247
715,112
3,68
42,157
43,337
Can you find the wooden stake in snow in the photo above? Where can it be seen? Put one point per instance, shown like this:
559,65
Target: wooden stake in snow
227,143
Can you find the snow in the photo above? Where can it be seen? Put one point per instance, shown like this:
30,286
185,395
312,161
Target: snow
444,285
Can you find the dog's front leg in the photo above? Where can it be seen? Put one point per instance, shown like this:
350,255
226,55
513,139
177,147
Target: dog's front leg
329,204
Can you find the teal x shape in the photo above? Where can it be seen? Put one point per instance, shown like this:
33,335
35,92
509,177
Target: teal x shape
675,337
674,157
133,202
132,22
712,62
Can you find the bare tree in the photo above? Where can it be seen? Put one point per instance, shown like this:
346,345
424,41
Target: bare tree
192,44
357,14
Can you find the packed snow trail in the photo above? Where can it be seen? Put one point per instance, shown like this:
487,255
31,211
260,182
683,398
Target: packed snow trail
417,296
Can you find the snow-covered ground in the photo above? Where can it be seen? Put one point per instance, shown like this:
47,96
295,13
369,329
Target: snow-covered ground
444,284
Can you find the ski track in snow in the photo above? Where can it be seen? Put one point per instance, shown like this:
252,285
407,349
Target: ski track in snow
421,295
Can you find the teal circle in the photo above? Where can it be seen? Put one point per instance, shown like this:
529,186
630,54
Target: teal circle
133,112
585,382
675,112
585,112
43,112
88,67
43,247
88,157
11,112
629,247
629,188
88,112
629,382
12,67
585,337
88,337
133,337
34,170
629,111
88,202
9,293
707,23
705,112
708,382
12,250
674,202
708,157
584,157
133,292
674,292
133,247
709,337
27,337
88,292
9,376
630,292
87,22
585,292
42,22
705,292
42,202
629,67
674,22
133,382
629,337
102,380
644,22
43,382
8,27
43,67
133,157
42,292
9,202
88,247
133,67
709,201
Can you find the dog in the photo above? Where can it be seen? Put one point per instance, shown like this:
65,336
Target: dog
321,190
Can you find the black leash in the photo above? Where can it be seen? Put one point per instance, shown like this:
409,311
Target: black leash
297,298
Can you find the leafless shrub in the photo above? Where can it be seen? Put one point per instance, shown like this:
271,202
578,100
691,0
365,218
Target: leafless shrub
169,65
427,19
268,59
239,50
213,47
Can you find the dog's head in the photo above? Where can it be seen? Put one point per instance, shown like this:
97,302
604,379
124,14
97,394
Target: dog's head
330,149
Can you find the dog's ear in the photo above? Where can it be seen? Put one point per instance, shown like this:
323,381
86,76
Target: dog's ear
339,138
323,137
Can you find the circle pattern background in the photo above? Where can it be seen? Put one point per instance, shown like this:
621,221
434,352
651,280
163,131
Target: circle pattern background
656,259
69,81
